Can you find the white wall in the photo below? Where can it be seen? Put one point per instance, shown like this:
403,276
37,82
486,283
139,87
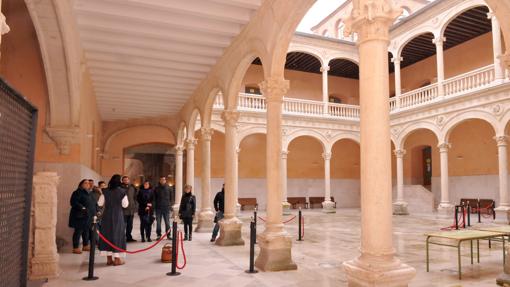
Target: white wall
482,186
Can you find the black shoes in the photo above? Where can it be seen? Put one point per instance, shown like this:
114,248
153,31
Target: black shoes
143,239
131,240
213,239
149,240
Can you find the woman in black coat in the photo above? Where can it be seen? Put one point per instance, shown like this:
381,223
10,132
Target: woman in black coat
187,211
83,209
113,228
145,211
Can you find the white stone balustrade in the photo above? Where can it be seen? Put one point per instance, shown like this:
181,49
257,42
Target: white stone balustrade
472,80
419,96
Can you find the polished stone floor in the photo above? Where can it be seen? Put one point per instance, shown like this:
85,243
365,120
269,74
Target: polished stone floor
330,239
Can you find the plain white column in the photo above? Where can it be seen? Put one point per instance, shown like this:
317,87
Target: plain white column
497,49
440,65
400,206
236,179
190,162
445,206
398,84
179,150
230,226
504,206
285,203
325,89
327,206
206,216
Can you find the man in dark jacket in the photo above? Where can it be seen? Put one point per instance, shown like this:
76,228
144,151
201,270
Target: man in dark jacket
164,198
219,206
129,212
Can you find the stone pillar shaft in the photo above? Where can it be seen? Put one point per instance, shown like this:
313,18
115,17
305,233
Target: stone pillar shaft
190,161
179,150
497,48
327,206
440,65
503,172
285,203
398,85
325,89
205,217
443,156
400,174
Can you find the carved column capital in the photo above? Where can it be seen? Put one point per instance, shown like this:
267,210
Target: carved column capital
230,118
371,20
444,147
274,89
399,153
4,28
179,150
285,154
326,155
325,69
190,144
439,41
501,140
397,61
64,137
491,15
206,133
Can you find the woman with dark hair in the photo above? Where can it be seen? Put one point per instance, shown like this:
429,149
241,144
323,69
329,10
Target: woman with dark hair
187,211
145,211
113,227
83,209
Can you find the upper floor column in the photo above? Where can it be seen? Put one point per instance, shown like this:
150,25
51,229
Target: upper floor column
190,161
440,64
496,47
325,89
398,84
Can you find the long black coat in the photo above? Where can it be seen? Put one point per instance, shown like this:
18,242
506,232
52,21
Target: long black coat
83,209
112,224
188,205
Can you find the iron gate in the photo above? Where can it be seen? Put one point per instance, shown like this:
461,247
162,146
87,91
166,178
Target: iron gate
18,120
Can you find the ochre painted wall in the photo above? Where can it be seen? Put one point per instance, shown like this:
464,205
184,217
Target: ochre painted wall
345,159
252,158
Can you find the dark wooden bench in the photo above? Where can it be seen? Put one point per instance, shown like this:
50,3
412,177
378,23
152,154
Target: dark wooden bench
318,200
248,201
295,201
486,205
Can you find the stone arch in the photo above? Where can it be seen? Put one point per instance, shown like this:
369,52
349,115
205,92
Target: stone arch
342,136
410,129
455,121
412,36
309,51
181,134
503,124
349,58
244,133
195,115
310,133
459,9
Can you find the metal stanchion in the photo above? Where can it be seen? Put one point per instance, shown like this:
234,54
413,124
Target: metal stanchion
468,214
92,252
479,212
174,251
456,217
255,220
300,222
493,211
463,210
253,236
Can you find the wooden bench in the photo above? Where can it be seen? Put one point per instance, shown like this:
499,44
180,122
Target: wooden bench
295,201
248,201
318,200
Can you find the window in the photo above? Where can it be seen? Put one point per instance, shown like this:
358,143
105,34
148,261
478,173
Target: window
252,90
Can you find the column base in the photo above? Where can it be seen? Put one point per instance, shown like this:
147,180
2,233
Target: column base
44,267
445,209
205,222
376,271
400,208
286,208
275,252
328,207
230,232
502,214
504,278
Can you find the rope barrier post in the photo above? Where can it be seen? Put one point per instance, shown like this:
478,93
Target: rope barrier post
253,236
300,222
463,209
493,212
174,251
255,220
468,214
456,217
479,212
92,252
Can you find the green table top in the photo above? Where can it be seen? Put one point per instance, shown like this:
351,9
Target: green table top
495,228
465,234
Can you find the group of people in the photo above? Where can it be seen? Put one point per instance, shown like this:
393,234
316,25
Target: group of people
115,205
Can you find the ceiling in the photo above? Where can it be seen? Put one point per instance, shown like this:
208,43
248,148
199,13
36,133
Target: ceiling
146,57
468,25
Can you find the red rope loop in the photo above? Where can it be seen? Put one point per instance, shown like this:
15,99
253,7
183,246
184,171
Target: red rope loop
460,221
177,253
284,222
132,252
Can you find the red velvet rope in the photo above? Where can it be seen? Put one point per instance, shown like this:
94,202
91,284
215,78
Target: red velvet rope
177,253
460,220
132,252
285,222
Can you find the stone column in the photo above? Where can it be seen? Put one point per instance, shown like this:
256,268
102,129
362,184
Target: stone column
497,49
190,162
206,216
275,243
325,89
440,65
377,265
445,206
400,206
398,85
230,226
327,206
43,256
285,203
236,179
179,151
504,207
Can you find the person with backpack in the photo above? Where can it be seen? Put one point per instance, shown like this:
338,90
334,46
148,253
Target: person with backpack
219,207
187,211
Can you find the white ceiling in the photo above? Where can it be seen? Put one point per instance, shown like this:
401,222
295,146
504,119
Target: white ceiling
146,57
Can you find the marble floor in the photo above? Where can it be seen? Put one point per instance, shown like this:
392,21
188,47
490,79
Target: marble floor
330,239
